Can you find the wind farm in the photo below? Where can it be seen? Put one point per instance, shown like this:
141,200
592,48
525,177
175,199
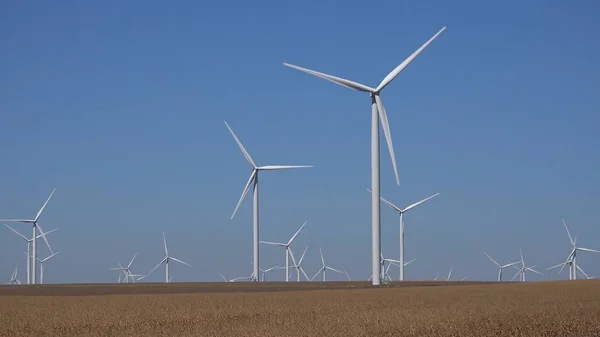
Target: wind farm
132,161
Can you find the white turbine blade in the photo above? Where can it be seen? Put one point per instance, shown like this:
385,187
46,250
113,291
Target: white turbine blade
510,264
589,250
153,269
245,191
165,242
296,234
282,167
49,257
390,77
337,80
273,243
239,143
322,259
569,259
18,220
272,268
584,274
302,257
48,232
293,258
44,206
517,274
347,276
535,271
396,208
333,269
15,231
556,266
407,263
420,202
177,260
522,259
388,134
568,233
130,262
489,257
320,270
44,237
223,277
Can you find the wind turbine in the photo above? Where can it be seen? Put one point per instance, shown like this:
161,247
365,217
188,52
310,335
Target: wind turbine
166,262
377,112
35,226
450,273
394,263
13,277
324,268
401,212
287,251
298,266
125,270
500,267
29,241
42,265
573,255
524,269
253,181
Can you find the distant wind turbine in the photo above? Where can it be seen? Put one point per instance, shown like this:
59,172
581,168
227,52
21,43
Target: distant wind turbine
401,212
524,269
324,268
29,241
166,260
13,277
253,182
287,251
500,267
378,113
572,258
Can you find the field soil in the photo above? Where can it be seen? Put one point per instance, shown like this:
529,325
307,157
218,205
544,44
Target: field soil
565,309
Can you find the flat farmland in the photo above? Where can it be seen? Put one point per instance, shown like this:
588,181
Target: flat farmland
564,308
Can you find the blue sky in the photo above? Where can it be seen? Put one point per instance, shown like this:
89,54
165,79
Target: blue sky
120,106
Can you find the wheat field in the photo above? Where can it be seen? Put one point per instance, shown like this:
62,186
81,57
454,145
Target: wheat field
564,308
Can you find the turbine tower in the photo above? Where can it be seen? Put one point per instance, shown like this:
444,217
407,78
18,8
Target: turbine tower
378,112
35,226
253,182
287,251
401,212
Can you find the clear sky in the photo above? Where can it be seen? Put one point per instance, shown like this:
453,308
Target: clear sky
120,106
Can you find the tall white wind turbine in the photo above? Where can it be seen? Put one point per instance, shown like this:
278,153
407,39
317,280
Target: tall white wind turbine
298,267
165,260
29,241
401,212
572,258
35,226
13,278
287,251
253,182
500,267
378,112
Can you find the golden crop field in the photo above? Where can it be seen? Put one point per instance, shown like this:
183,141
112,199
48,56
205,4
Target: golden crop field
565,309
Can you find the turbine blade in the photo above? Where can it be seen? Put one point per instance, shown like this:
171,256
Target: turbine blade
304,273
223,277
18,220
48,232
396,208
337,80
489,257
246,154
44,206
245,191
589,250
510,264
322,259
535,271
407,263
387,133
44,237
333,269
133,258
296,234
390,77
302,257
420,202
153,269
177,260
282,167
568,233
15,231
165,242
556,266
584,274
273,243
